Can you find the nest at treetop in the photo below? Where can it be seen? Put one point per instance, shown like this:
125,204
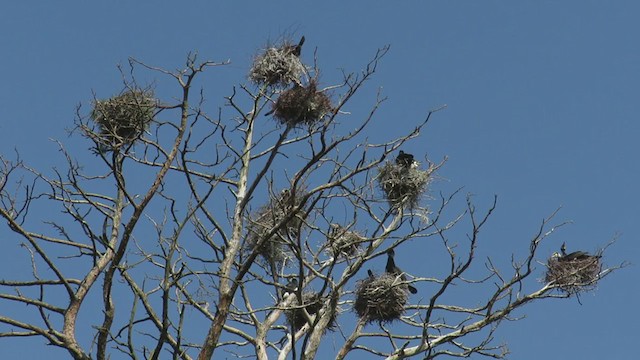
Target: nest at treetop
403,186
381,298
277,66
343,242
275,250
312,303
302,105
574,276
123,118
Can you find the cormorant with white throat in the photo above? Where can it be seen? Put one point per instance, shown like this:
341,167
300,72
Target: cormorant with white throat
291,287
406,160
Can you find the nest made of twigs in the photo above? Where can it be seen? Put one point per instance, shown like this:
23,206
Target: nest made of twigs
275,250
343,242
302,105
401,185
574,276
381,299
277,66
312,304
123,118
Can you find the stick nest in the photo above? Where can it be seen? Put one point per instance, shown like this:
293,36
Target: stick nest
312,303
574,276
277,66
343,242
302,105
380,299
401,185
275,250
123,118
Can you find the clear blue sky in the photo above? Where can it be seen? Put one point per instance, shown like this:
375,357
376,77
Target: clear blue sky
542,110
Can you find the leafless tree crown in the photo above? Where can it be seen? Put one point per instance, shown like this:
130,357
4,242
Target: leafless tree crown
192,230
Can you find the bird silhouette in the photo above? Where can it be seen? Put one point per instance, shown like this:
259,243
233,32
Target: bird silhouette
291,287
406,160
393,269
296,50
576,255
371,276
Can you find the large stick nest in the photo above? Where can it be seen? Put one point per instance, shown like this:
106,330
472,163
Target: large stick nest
302,105
344,242
401,185
312,303
380,299
574,276
275,250
123,118
277,66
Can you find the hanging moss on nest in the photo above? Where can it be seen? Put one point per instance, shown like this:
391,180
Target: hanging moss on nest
123,118
277,66
403,186
343,242
275,250
381,298
574,276
312,303
301,105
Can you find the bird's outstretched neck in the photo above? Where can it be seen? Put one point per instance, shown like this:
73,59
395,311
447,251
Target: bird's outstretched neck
393,269
298,48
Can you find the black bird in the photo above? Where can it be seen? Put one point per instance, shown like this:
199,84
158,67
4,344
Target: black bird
392,269
291,287
371,276
406,160
298,48
576,255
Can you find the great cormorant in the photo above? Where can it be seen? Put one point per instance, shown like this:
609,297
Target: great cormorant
298,48
392,269
406,160
371,276
576,255
291,287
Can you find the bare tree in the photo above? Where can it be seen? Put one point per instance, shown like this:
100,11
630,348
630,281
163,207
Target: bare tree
199,231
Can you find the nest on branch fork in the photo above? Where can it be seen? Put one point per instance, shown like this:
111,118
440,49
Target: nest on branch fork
312,302
381,299
403,186
343,242
123,118
277,66
575,275
276,249
302,105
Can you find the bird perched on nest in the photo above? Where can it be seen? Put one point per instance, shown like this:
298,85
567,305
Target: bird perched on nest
576,255
406,160
291,287
393,269
296,50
